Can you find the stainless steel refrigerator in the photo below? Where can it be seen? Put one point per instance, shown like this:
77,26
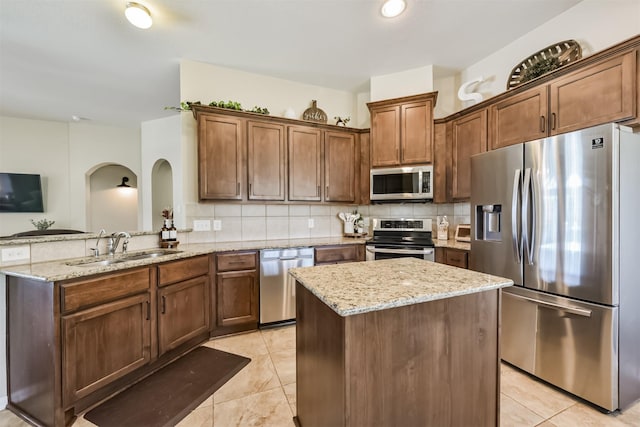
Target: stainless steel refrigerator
560,216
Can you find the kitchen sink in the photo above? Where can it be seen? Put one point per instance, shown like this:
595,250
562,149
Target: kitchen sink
122,258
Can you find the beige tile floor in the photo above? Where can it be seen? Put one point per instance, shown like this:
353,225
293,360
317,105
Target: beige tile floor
264,392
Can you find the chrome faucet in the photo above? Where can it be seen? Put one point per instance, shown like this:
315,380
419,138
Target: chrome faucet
96,250
115,239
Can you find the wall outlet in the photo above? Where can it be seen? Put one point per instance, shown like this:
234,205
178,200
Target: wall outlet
311,223
201,225
16,253
217,225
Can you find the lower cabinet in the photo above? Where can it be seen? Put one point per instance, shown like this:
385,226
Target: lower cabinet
237,292
453,257
336,254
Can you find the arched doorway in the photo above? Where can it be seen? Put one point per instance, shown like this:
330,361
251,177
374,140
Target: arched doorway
112,199
161,191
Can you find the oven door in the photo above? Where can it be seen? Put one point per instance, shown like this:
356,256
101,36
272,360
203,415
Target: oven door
379,252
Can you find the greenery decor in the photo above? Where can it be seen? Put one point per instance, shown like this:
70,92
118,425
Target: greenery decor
539,68
43,224
231,105
544,61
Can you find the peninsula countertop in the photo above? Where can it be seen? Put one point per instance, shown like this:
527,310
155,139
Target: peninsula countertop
361,287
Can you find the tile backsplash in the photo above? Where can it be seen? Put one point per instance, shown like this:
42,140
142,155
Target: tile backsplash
270,221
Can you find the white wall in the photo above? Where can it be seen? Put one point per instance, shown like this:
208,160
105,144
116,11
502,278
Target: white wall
405,83
37,147
594,24
110,204
162,139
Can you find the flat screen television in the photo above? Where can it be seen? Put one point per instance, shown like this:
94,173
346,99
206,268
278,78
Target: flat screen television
20,192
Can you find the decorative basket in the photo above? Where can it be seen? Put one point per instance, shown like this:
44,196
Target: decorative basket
548,59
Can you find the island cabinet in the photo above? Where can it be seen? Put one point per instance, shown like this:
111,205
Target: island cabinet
267,158
221,151
305,159
602,92
402,130
454,257
397,343
237,292
183,302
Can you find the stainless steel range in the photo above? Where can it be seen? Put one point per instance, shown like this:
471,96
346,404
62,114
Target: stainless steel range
401,238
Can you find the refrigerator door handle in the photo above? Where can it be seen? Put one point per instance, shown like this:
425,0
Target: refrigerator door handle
526,207
517,244
571,310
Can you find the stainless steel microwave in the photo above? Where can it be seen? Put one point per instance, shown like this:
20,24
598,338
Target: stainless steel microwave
409,184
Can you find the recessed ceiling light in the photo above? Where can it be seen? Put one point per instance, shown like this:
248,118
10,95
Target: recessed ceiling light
138,15
393,8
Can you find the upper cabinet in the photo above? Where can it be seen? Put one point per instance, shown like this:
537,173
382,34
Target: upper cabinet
245,157
220,157
402,130
340,156
468,137
305,155
602,92
266,161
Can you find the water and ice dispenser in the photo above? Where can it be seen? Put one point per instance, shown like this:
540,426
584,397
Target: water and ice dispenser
488,222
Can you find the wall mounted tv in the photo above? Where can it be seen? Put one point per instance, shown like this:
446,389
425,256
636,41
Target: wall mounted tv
20,192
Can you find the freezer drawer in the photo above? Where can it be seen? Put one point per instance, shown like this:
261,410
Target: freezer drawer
576,343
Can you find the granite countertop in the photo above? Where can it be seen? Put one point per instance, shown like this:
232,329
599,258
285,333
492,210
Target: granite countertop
59,270
361,287
453,244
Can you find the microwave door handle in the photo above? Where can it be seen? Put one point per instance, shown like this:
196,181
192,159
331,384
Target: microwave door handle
515,230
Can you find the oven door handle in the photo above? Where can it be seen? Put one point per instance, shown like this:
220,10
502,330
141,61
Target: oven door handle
400,251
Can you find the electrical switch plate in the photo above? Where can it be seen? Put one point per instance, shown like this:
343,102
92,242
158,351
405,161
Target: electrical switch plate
217,225
16,253
311,223
201,225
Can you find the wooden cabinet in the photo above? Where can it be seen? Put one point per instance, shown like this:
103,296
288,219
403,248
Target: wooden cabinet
266,161
519,118
305,155
602,92
336,254
237,292
340,158
220,157
402,130
468,137
454,257
183,302
365,166
441,162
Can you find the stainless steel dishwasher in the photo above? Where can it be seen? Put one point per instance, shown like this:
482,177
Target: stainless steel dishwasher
277,288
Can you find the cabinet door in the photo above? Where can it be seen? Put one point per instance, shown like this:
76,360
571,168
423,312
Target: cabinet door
456,258
237,298
365,168
602,93
519,118
305,180
339,254
340,163
266,151
220,152
183,312
104,343
441,163
469,137
385,136
416,133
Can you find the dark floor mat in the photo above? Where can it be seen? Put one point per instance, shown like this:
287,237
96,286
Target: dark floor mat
167,396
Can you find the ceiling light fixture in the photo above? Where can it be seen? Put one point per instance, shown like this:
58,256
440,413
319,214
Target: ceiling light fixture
138,15
393,8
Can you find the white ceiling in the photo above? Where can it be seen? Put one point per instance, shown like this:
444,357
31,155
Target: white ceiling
60,58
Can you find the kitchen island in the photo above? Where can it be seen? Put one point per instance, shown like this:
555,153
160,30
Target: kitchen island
398,342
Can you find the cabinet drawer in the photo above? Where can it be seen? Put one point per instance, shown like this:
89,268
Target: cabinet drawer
236,261
178,271
104,289
335,254
456,258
